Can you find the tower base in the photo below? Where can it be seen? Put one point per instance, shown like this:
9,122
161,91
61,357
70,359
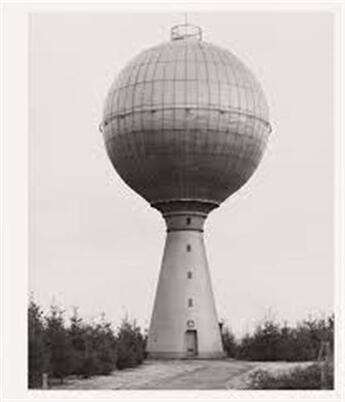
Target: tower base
184,322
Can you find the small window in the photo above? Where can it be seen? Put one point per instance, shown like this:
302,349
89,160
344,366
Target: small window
188,221
190,302
189,247
189,274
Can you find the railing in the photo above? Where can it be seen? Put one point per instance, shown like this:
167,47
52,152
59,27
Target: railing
186,31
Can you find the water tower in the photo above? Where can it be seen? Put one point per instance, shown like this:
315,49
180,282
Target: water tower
185,125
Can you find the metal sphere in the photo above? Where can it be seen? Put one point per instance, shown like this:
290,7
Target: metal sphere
185,120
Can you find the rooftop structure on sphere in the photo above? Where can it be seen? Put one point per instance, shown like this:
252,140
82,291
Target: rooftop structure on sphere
185,125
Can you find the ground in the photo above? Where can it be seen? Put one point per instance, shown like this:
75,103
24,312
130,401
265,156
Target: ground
180,374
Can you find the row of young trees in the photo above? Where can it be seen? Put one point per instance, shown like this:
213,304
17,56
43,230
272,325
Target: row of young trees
61,347
77,347
272,341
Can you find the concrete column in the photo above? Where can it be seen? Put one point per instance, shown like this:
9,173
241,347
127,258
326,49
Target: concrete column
184,298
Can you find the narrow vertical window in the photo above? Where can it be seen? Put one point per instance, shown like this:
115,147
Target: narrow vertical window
189,274
189,247
188,221
190,302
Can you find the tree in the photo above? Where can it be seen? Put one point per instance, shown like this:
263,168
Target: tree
229,342
38,359
105,347
93,347
59,344
263,344
79,348
76,334
130,345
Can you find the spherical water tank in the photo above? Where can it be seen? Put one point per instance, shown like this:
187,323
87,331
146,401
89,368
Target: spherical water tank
185,120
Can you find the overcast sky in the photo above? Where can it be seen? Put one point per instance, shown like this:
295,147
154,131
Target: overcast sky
96,244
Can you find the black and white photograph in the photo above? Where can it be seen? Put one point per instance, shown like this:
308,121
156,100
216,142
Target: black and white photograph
178,222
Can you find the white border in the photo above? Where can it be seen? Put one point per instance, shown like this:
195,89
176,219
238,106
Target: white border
14,217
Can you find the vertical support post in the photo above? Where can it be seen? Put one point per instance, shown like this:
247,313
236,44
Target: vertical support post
324,360
45,381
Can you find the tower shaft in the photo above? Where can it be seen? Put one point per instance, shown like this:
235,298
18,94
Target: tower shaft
184,321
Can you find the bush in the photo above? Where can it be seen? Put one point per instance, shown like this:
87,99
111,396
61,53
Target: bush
299,378
263,345
271,342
